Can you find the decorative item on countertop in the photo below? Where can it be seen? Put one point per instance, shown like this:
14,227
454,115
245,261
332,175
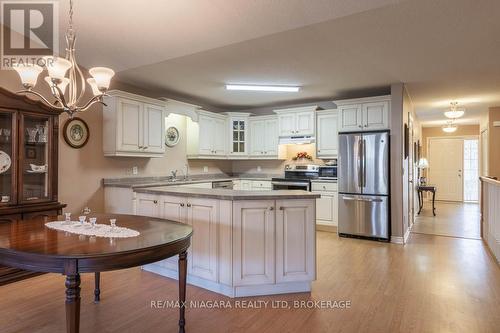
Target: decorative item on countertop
302,156
76,132
5,162
172,136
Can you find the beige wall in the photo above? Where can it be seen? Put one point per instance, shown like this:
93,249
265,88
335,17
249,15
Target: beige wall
431,132
494,143
81,170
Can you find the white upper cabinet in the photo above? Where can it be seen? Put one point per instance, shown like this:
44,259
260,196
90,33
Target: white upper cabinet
327,139
133,125
263,137
238,134
364,114
207,138
296,121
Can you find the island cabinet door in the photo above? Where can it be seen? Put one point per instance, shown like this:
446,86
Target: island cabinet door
295,240
202,215
174,209
147,205
253,242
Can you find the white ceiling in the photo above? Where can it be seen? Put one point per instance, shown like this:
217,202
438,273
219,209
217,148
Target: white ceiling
443,50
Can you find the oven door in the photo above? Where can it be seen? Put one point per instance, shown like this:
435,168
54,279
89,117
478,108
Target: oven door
291,185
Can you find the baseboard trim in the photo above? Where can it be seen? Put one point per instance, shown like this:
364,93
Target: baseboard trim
397,240
327,228
233,291
407,235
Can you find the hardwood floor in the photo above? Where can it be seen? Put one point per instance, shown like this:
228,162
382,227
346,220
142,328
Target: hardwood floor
452,219
433,284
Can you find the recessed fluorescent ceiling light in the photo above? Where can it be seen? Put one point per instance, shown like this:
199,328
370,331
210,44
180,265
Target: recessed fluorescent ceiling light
248,87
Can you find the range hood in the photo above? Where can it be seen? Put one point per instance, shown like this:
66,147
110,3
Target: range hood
297,140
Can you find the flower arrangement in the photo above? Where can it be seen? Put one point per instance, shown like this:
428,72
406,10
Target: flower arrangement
302,155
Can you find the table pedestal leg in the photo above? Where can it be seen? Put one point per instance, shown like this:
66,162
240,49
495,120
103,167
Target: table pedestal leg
420,203
97,290
73,303
182,289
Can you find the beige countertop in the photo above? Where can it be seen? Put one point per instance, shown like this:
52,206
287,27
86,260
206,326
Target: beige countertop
139,182
226,194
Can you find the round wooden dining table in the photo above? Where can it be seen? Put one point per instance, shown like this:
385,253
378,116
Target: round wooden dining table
30,245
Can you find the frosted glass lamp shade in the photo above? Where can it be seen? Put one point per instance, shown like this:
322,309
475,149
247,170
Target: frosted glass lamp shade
28,73
454,114
57,67
450,128
63,85
423,163
93,85
102,76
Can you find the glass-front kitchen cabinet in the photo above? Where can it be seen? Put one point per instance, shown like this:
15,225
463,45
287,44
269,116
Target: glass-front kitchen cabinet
238,134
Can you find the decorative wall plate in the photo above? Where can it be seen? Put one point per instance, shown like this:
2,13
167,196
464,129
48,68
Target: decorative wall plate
76,132
5,161
171,136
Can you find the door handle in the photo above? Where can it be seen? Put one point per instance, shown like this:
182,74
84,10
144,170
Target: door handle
349,198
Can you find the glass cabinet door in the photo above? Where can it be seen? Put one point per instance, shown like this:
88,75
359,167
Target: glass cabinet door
35,158
238,136
7,158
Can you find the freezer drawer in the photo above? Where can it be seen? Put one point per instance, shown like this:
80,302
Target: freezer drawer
362,215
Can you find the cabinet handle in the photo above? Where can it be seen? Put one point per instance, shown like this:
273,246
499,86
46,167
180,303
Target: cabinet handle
366,125
281,208
189,205
271,208
182,205
155,202
319,150
360,126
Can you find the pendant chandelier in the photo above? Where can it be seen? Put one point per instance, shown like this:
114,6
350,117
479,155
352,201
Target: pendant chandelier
450,127
454,111
68,90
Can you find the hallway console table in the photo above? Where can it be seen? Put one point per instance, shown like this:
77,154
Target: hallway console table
426,188
30,245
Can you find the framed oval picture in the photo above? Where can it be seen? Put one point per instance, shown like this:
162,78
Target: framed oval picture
76,132
171,136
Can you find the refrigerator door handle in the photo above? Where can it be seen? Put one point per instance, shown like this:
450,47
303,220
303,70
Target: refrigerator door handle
349,198
364,162
360,163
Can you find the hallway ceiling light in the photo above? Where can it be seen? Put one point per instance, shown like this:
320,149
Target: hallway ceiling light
449,127
247,87
454,111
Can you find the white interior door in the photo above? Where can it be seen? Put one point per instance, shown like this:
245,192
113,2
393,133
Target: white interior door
446,158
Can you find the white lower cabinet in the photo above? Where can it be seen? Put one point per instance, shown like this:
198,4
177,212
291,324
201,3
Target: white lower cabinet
202,215
295,241
327,205
253,242
147,205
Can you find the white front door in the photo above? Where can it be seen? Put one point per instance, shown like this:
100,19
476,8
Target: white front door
446,158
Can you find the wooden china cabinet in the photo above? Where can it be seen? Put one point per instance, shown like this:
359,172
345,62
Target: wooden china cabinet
28,164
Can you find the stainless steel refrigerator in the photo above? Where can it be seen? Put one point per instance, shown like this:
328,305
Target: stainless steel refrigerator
363,180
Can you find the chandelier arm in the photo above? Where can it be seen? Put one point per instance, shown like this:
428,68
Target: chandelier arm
55,93
83,82
95,99
61,97
44,100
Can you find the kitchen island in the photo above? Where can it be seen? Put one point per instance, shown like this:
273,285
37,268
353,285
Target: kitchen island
245,243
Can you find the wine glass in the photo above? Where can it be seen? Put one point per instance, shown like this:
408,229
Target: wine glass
82,221
113,225
93,221
67,219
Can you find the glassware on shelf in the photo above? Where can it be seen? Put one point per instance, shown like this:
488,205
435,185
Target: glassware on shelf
32,132
42,133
